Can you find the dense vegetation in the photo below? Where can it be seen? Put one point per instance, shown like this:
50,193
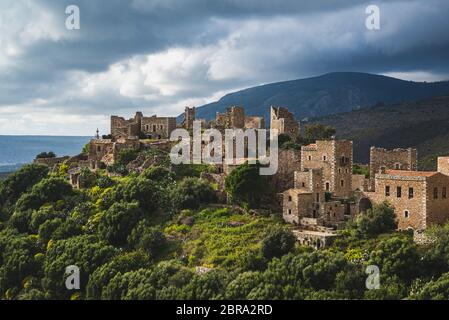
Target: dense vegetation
160,235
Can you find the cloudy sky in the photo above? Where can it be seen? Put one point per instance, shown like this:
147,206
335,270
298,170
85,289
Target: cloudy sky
161,55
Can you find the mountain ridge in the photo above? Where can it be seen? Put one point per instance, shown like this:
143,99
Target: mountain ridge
326,94
422,124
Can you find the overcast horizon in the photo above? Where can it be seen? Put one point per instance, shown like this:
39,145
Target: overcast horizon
160,56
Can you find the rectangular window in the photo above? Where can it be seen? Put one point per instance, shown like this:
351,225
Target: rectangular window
410,193
398,192
290,198
324,158
444,193
406,214
342,183
435,193
387,191
289,211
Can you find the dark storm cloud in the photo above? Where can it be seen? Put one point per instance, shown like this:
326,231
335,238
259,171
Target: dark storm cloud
161,54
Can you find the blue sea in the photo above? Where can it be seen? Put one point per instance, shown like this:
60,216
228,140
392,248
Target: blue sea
15,151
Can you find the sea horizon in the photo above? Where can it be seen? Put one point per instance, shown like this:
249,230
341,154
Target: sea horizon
18,150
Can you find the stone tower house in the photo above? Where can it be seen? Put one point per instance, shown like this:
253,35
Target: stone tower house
189,117
335,158
396,159
284,121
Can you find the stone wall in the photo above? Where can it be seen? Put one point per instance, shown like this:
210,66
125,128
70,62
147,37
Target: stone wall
233,117
254,122
411,210
158,127
189,117
295,205
289,161
155,127
443,165
437,199
335,158
395,159
284,121
359,182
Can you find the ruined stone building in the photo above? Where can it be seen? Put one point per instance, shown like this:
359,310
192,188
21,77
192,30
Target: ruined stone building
305,205
307,200
151,127
234,118
396,159
335,158
103,152
189,117
284,121
289,161
420,199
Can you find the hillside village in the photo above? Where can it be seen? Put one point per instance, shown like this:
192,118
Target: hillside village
316,188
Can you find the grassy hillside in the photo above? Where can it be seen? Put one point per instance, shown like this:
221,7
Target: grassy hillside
423,125
327,94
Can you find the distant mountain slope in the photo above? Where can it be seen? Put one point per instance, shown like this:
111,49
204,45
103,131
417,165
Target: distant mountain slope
423,125
327,94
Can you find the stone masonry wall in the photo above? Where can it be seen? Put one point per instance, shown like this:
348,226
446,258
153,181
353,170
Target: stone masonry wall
395,159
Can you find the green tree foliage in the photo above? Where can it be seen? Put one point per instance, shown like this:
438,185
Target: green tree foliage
357,169
46,155
242,285
434,290
17,259
21,182
105,182
125,156
397,257
318,131
21,221
190,193
245,185
278,241
164,281
283,138
150,239
118,265
46,191
158,174
85,252
210,285
134,189
118,221
380,219
87,178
